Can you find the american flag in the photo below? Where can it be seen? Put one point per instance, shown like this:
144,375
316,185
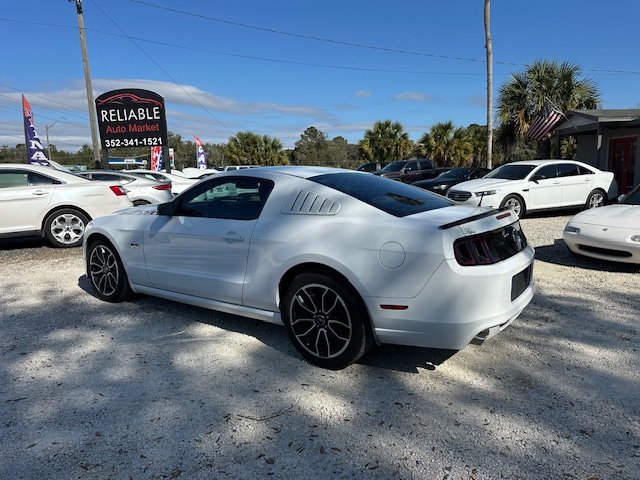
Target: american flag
543,123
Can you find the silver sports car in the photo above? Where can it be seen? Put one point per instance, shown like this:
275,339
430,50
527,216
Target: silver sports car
345,260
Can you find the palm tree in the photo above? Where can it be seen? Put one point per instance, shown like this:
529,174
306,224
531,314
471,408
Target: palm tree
248,148
446,145
544,83
386,141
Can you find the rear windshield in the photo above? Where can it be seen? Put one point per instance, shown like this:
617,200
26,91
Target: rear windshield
391,196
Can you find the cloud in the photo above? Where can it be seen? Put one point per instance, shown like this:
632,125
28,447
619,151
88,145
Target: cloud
363,93
476,100
412,97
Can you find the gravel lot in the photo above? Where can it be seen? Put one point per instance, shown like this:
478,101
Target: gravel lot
153,390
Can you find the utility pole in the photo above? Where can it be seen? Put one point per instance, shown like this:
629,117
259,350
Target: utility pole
87,79
489,47
46,128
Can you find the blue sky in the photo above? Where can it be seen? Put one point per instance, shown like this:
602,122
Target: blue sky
281,66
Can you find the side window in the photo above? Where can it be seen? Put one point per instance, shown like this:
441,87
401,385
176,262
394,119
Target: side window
411,166
37,179
585,170
548,171
568,170
426,165
10,179
237,198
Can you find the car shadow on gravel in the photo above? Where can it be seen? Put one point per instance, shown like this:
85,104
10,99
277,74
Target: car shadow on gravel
22,243
559,254
389,357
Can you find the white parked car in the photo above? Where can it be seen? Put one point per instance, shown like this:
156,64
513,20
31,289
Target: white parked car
178,183
538,185
197,173
344,259
608,233
141,191
44,201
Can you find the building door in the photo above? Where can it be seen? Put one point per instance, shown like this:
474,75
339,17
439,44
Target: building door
622,160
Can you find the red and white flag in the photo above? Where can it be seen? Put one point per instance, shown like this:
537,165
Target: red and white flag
156,159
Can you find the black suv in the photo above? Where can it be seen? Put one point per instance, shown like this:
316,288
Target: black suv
409,171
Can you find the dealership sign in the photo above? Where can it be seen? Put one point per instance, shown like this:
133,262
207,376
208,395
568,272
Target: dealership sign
131,118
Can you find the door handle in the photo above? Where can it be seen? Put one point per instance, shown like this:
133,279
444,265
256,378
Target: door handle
39,192
556,183
233,237
587,179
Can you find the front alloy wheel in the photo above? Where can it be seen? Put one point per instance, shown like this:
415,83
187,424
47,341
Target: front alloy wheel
106,272
324,321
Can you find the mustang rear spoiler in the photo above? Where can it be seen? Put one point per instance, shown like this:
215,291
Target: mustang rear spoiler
462,221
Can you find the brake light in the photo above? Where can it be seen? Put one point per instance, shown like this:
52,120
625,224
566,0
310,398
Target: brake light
118,190
164,186
490,247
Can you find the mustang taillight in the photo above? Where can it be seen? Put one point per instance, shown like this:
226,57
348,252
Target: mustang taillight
118,190
490,247
164,186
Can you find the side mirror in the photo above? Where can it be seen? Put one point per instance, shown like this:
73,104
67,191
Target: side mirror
535,178
167,209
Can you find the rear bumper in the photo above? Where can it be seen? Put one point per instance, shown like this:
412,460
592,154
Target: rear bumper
458,306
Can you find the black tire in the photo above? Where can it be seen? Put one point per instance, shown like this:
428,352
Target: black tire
65,228
106,272
325,321
597,198
515,203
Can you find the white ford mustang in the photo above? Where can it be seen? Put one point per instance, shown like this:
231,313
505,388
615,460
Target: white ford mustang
608,233
344,259
538,185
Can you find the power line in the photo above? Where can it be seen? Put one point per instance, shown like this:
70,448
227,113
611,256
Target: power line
307,64
161,68
345,43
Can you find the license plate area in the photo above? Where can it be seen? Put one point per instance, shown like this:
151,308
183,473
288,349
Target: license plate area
521,281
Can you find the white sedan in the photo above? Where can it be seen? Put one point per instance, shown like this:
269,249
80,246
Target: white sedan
178,183
538,185
44,201
608,233
343,259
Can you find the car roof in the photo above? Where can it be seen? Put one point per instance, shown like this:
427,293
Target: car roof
51,171
293,170
542,162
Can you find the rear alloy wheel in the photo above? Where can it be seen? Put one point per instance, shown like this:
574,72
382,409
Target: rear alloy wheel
515,203
325,322
65,228
595,199
106,272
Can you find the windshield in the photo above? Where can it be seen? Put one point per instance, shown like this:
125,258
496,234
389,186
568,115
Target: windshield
394,166
453,174
632,198
511,172
390,196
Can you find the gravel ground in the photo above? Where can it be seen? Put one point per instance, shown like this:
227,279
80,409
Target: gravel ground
153,390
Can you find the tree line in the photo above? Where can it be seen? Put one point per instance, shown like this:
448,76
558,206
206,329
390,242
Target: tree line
542,85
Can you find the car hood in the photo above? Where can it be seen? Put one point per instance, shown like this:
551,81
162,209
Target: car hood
615,216
480,184
139,210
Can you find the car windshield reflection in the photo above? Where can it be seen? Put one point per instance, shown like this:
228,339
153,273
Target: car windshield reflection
511,172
